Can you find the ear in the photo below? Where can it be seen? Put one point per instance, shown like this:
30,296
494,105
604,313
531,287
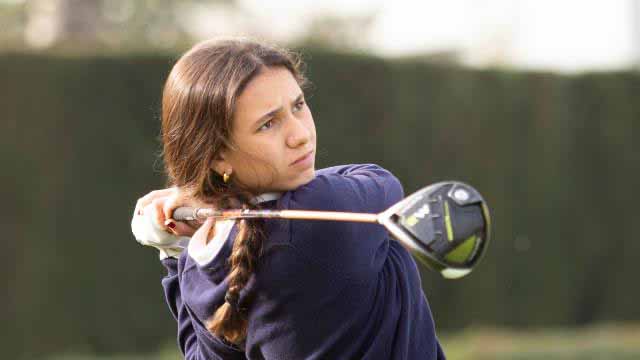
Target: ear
220,165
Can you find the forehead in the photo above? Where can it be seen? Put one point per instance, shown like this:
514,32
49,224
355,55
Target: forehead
272,88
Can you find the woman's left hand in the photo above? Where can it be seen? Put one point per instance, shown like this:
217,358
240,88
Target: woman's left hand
161,204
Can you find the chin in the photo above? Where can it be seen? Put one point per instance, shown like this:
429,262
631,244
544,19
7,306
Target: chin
302,179
309,175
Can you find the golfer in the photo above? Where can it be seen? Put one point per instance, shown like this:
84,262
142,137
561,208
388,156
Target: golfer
237,133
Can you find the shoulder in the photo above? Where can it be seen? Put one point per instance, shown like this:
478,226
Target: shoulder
342,249
355,187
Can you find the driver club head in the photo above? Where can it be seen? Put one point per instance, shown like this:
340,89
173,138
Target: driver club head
446,226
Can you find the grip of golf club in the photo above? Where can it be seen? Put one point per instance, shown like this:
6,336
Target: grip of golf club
184,213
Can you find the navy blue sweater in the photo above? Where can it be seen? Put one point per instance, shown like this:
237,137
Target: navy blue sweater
322,289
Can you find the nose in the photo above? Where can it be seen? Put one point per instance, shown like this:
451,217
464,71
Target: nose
299,133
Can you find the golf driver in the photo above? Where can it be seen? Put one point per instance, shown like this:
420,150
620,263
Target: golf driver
446,225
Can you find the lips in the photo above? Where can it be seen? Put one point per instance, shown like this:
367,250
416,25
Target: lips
301,158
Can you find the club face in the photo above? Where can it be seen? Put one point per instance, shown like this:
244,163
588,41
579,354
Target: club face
446,226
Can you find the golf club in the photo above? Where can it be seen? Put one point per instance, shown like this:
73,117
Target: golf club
446,225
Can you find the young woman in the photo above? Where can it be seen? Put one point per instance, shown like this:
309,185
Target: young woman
237,132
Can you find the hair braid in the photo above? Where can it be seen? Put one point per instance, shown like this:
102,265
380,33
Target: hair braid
229,321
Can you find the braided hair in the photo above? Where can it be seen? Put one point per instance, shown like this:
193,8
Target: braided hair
198,103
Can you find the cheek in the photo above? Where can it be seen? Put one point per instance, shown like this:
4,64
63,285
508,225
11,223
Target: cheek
266,157
311,125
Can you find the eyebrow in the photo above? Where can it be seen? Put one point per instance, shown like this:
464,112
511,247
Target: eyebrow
275,111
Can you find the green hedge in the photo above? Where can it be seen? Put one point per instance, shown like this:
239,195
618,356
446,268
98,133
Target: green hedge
554,156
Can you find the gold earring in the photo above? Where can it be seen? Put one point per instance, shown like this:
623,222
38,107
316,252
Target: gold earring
225,177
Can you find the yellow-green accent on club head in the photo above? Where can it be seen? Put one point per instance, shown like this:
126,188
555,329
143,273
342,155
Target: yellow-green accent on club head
461,253
487,219
447,221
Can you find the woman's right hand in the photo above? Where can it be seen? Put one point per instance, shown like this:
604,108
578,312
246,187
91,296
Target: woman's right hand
161,204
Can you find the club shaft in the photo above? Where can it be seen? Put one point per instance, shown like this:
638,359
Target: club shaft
203,213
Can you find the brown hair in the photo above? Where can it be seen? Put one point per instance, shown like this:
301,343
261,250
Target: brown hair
198,103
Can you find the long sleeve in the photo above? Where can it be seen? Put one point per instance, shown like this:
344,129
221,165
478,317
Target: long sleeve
171,286
341,290
195,342
346,249
358,188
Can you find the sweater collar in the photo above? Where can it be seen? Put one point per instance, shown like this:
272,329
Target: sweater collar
269,196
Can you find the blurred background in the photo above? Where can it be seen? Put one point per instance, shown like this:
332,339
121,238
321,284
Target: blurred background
534,103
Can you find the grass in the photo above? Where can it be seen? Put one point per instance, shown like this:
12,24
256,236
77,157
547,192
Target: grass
609,341
602,342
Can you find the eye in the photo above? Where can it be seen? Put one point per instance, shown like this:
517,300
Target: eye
266,126
299,105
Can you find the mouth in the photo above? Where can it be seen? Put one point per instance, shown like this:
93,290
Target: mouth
302,158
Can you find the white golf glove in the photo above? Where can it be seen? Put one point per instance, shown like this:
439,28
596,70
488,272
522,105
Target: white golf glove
148,232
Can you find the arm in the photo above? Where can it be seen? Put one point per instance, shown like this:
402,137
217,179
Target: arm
344,249
357,188
314,283
195,343
187,339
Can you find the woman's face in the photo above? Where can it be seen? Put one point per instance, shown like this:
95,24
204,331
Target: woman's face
274,135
